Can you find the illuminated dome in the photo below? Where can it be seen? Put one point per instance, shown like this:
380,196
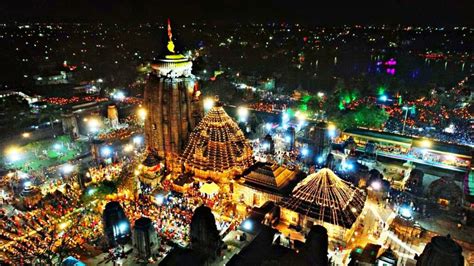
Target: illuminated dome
325,197
217,148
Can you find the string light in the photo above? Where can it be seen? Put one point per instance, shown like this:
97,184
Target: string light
326,197
217,148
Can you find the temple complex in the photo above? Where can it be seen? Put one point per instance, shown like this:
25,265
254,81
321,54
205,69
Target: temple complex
172,101
323,198
217,148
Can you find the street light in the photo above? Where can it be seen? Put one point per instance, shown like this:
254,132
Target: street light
26,135
426,143
106,151
67,168
243,114
208,104
332,130
93,124
13,153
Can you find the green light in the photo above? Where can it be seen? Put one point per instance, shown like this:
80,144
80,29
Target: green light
303,107
306,98
381,90
341,105
400,101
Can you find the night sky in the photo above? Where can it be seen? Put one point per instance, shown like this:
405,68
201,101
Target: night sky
438,12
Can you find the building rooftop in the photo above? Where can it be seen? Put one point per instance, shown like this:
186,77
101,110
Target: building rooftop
326,197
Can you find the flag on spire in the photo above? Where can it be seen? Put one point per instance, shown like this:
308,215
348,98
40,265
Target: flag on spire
170,45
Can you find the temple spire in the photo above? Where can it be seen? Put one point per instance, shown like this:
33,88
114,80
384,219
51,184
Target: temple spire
170,45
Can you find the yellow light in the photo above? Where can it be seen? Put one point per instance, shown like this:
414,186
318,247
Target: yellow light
208,104
63,225
26,135
128,148
13,153
93,123
142,113
331,127
243,113
170,46
425,143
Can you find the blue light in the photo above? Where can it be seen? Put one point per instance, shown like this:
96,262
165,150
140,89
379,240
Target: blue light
287,138
405,212
106,151
383,98
137,140
304,151
247,225
320,159
160,199
332,133
123,227
268,126
347,166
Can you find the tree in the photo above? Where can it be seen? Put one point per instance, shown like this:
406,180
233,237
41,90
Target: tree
370,116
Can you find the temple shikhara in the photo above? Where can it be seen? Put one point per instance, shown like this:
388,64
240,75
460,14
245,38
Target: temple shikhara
217,148
172,101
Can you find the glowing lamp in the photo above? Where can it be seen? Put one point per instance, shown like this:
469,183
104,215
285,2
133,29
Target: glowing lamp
67,168
160,199
137,140
142,113
208,104
304,151
383,98
106,151
426,143
405,212
123,227
247,225
376,185
320,160
268,126
128,148
242,113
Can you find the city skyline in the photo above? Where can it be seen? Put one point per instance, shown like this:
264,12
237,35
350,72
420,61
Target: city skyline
425,12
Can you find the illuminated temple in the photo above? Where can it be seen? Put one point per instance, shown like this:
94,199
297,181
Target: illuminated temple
171,99
265,182
217,148
323,198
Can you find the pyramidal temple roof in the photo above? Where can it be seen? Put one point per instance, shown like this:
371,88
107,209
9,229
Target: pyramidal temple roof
217,145
326,197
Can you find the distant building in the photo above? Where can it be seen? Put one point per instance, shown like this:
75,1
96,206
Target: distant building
145,239
116,224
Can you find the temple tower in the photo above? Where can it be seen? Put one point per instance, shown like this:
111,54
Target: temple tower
173,104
